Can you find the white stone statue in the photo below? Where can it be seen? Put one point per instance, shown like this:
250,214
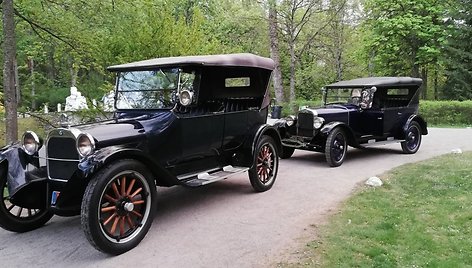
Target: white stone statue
109,101
75,101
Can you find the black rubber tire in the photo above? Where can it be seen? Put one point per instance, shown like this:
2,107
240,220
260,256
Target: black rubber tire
336,147
413,139
16,219
265,165
95,200
287,152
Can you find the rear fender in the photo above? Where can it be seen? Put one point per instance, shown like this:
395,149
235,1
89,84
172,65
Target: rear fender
104,156
419,120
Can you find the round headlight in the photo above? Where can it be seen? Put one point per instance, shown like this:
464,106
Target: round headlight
185,97
30,142
85,144
290,120
318,122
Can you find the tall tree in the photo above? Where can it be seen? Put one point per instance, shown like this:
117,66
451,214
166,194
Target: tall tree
9,66
458,56
274,51
407,36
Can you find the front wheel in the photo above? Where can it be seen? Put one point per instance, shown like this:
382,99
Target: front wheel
413,139
19,219
118,206
265,165
336,147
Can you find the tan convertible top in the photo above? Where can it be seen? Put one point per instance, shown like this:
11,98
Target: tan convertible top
241,59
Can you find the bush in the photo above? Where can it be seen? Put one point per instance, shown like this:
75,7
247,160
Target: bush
447,113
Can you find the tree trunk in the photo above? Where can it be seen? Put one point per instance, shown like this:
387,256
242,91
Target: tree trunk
293,62
9,56
73,73
274,52
424,76
33,86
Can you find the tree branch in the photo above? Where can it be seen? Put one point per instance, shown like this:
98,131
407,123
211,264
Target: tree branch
36,26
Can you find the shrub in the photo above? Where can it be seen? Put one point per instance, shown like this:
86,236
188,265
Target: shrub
447,113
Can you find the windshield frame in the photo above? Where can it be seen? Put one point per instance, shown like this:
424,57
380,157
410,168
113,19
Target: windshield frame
172,92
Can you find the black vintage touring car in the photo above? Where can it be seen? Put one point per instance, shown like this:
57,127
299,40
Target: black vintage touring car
360,113
184,121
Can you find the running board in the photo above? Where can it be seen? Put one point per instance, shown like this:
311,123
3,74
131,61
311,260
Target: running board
211,176
373,142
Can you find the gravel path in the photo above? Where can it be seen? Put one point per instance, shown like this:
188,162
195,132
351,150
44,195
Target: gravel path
226,224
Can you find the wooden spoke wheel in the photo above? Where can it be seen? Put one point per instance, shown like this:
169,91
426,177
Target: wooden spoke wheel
266,162
336,147
118,206
413,139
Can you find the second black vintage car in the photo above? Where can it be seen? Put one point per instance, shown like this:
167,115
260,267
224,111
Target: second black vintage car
360,113
184,121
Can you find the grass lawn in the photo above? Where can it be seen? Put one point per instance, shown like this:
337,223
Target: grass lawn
24,124
421,217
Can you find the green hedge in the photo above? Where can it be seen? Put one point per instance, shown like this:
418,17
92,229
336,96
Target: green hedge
447,113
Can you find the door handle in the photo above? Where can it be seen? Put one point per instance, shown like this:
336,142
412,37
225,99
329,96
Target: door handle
379,118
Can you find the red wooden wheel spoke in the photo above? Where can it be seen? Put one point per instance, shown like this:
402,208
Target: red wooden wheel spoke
138,202
115,190
130,222
136,192
122,226
123,186
107,209
109,219
130,186
137,214
111,199
113,227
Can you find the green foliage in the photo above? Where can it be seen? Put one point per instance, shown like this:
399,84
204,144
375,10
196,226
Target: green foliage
458,56
419,218
405,35
447,113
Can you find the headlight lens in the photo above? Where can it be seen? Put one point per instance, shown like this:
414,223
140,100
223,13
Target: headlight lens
30,142
318,122
186,97
290,120
85,144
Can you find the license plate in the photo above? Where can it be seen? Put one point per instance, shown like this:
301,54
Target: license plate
55,195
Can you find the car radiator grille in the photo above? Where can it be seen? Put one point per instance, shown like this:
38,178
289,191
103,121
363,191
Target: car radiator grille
305,124
62,157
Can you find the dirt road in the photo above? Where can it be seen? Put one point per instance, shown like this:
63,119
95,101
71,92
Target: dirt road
226,224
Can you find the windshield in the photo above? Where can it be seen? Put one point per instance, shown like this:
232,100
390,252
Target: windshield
155,89
343,96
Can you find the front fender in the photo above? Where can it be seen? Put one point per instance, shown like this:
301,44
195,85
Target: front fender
327,128
26,181
104,156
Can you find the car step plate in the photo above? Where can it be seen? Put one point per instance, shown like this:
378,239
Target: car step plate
204,178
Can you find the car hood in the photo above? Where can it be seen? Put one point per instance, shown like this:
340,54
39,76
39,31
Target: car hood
335,112
112,132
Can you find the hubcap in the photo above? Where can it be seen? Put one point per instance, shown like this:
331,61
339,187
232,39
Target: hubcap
338,147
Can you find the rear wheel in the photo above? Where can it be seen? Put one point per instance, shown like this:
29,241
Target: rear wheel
336,147
413,139
265,165
118,206
287,152
19,219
